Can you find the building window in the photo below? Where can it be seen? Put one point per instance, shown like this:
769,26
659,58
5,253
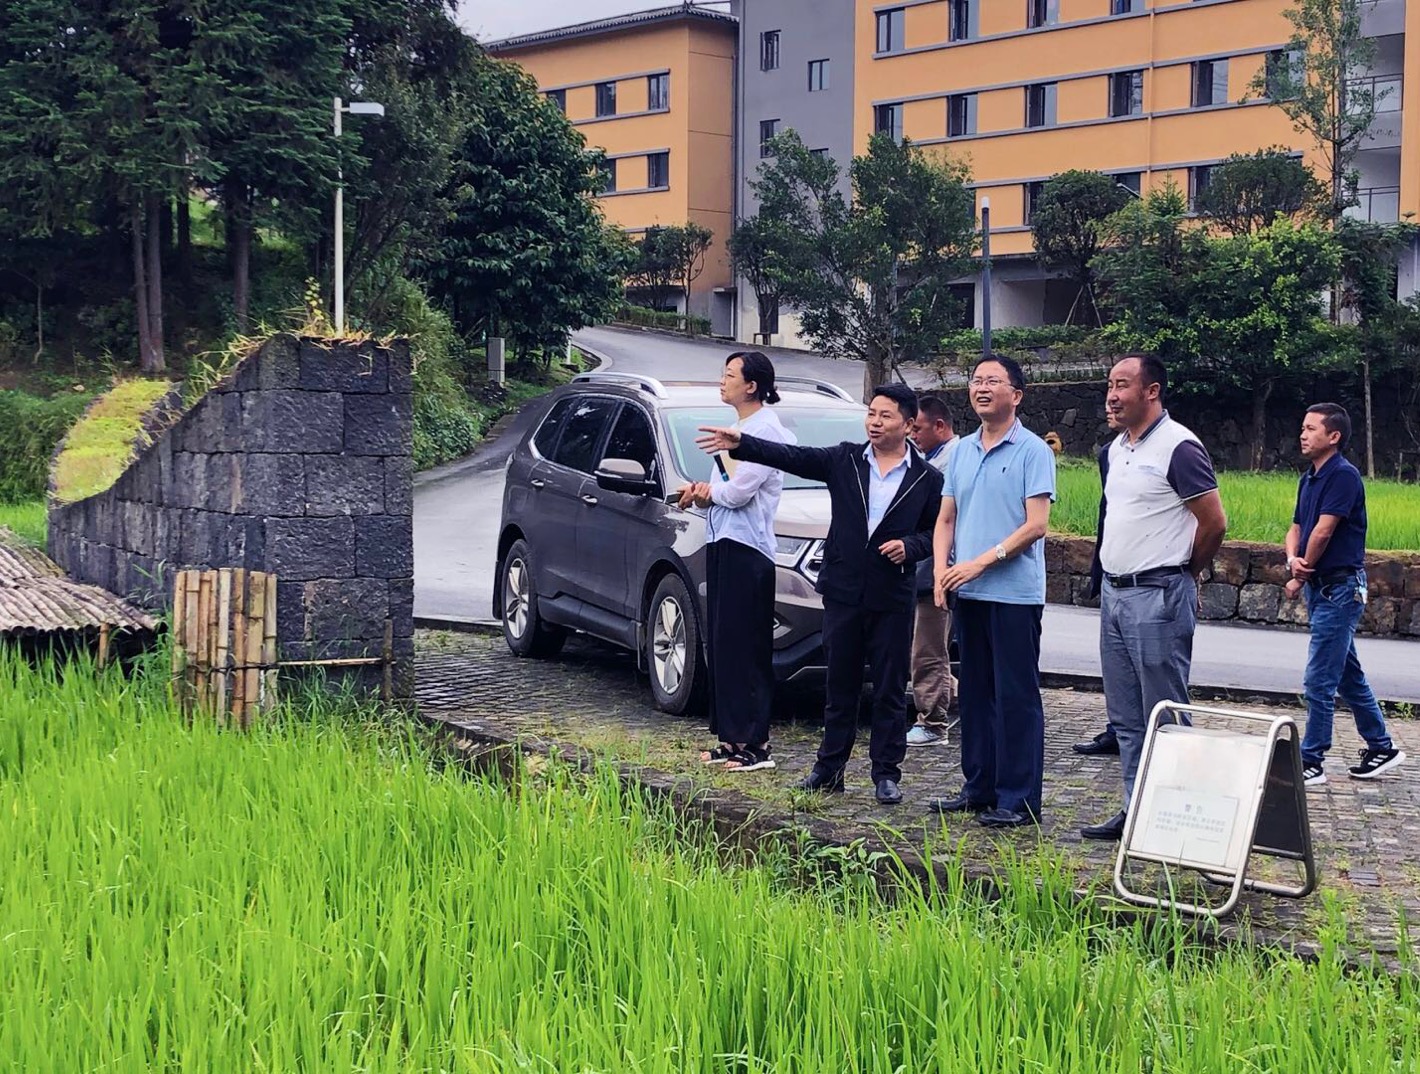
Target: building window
1125,7
1198,179
559,98
887,119
960,20
1032,200
658,170
818,75
961,115
768,131
1126,93
608,170
658,92
1130,181
891,25
820,154
1283,72
1040,105
1210,83
769,50
606,98
1042,13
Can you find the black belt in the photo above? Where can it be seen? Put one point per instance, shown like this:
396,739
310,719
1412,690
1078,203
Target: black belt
1138,578
1334,577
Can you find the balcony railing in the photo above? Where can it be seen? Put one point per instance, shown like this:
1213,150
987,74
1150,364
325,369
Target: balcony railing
1378,204
1385,88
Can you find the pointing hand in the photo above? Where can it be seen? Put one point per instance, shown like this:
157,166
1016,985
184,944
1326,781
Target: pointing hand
717,439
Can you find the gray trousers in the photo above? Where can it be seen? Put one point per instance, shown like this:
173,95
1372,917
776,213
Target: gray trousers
1146,647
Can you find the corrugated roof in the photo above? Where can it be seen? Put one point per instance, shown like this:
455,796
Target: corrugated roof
616,22
36,597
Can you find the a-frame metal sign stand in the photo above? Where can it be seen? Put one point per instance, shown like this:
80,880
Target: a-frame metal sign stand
1209,797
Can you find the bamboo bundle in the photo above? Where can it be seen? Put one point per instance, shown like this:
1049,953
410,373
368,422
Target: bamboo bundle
224,644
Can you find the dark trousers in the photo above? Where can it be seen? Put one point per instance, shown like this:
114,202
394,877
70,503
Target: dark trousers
1002,718
739,635
854,636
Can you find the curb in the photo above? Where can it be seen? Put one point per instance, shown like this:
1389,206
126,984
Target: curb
457,624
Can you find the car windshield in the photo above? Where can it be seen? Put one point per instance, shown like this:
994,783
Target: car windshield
811,426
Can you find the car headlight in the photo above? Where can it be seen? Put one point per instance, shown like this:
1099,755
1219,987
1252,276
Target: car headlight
813,562
787,550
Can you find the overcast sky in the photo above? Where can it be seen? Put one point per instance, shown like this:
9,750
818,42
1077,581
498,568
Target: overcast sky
491,19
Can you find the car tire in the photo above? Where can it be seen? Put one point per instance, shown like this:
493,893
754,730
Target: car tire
523,627
679,680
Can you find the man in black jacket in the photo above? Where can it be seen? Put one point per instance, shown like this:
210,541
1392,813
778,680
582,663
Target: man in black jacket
885,497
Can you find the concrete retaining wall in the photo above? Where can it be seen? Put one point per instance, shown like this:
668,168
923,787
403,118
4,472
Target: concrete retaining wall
1247,586
299,463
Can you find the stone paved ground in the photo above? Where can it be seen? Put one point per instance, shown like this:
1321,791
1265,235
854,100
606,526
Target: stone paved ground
1366,834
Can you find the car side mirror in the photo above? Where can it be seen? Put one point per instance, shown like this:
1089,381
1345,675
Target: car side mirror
624,475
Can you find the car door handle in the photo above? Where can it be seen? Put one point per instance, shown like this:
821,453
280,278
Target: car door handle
537,483
589,499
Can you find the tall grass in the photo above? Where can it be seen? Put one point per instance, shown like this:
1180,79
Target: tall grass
27,520
1259,506
316,896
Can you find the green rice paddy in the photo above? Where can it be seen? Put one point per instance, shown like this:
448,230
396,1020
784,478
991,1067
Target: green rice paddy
318,895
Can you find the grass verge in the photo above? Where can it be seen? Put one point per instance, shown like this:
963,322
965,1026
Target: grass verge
317,895
1259,506
28,521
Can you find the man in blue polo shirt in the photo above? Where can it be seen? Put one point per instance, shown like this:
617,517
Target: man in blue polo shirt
989,549
1326,549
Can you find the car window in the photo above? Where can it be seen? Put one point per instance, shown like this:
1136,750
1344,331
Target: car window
631,438
811,426
585,423
546,439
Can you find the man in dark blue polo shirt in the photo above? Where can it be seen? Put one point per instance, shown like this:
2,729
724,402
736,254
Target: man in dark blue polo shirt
1326,549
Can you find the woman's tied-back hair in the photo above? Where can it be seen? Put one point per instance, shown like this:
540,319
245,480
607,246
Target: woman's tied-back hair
755,366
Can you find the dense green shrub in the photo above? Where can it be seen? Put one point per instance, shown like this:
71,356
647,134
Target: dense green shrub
642,317
33,428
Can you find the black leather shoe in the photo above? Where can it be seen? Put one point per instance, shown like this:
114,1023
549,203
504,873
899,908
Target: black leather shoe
1102,744
960,804
1004,818
1110,830
888,792
822,782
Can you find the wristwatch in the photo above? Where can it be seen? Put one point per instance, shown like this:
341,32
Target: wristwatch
1000,553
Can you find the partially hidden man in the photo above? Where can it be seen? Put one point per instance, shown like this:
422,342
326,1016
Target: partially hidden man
884,498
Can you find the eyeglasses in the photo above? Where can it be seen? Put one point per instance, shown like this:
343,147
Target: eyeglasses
986,382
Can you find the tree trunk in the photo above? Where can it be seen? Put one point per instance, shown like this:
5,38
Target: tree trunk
155,282
184,233
1260,396
877,370
1370,436
39,320
148,359
239,236
768,306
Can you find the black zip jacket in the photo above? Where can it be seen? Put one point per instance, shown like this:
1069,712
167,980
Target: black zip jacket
854,571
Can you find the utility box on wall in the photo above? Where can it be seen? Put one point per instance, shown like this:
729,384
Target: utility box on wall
300,464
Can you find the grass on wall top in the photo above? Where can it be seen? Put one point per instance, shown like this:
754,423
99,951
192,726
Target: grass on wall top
103,441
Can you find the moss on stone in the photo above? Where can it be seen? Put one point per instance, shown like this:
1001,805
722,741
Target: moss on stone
101,444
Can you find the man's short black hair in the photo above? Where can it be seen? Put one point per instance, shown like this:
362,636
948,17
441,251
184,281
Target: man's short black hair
902,395
1012,367
1151,370
934,408
1335,419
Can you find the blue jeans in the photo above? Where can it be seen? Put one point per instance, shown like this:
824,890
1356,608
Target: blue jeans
1332,669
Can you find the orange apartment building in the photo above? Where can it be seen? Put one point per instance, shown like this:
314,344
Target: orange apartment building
655,91
1026,89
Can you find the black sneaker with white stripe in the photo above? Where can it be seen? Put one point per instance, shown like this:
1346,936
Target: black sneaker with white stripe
1376,762
1312,775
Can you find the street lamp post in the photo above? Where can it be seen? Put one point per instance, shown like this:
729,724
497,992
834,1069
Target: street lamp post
985,277
355,108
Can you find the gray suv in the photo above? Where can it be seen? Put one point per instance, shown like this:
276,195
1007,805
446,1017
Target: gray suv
591,538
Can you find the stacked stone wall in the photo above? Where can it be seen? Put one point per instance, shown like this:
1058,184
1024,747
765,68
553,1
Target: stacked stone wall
1246,587
300,463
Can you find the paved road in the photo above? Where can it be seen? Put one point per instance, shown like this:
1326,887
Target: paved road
456,511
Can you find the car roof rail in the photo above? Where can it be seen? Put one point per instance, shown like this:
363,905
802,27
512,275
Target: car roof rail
821,386
646,384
